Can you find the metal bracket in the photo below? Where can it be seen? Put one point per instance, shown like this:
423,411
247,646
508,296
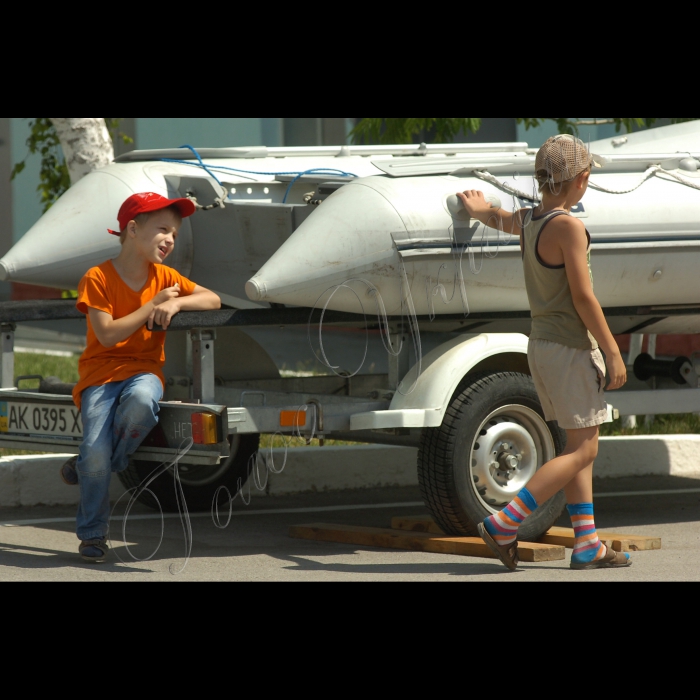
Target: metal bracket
398,364
690,375
203,364
8,355
319,422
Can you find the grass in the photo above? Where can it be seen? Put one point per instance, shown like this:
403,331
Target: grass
669,424
27,363
267,441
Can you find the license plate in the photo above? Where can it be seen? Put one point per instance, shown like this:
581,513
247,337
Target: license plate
40,419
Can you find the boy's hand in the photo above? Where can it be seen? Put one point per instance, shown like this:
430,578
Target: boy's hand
617,371
475,203
166,294
166,306
163,313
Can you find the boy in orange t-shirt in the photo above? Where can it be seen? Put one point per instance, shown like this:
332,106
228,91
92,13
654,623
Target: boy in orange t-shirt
121,380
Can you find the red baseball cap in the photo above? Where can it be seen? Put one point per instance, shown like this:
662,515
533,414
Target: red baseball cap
144,202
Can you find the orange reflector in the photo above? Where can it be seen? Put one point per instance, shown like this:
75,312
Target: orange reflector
204,428
292,419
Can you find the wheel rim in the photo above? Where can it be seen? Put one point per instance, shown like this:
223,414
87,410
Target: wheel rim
203,474
512,443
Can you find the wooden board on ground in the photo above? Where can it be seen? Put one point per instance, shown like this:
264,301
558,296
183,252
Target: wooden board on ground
563,536
416,523
419,541
616,541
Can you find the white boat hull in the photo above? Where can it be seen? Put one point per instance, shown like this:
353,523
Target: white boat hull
645,249
386,240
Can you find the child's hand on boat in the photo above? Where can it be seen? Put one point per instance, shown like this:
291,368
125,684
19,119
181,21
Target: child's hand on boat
475,203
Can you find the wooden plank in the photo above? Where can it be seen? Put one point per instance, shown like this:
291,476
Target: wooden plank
416,523
631,543
562,536
617,541
419,541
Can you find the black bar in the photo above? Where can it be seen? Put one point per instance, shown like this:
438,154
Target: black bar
38,310
641,326
58,309
300,316
222,318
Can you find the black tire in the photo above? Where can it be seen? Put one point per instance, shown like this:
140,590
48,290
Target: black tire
492,416
199,482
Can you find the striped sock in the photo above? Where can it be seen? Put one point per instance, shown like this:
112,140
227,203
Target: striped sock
587,547
503,526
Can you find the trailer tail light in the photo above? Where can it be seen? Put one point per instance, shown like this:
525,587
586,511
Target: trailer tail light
292,419
204,428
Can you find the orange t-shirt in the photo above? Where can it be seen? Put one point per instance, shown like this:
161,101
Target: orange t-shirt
102,288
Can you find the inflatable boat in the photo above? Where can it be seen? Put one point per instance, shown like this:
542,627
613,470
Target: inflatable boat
378,229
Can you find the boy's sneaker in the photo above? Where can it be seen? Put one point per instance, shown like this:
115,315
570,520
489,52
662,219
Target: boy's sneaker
94,551
69,473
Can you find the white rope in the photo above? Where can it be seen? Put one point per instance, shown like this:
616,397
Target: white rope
648,174
680,179
487,177
651,172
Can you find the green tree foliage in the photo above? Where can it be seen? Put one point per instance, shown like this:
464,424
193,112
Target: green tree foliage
444,129
403,130
53,174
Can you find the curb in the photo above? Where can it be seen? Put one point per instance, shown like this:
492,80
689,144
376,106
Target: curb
32,480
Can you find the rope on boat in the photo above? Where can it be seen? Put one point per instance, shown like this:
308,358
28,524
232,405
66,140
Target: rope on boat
649,173
487,177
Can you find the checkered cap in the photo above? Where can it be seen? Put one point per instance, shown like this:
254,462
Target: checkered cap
562,158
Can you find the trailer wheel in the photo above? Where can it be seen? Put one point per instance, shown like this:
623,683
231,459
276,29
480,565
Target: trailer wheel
199,482
492,440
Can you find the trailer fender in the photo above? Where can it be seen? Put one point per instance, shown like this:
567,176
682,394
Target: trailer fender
422,399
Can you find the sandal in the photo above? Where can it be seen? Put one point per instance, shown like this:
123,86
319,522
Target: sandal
69,473
94,551
508,554
611,560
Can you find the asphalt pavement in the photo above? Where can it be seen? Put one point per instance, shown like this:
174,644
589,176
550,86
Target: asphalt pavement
39,544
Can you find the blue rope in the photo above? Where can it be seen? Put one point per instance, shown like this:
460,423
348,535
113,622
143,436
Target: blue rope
297,173
201,162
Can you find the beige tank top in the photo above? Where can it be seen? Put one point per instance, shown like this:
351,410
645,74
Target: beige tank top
554,316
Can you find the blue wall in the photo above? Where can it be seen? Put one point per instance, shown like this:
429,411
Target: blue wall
207,132
26,209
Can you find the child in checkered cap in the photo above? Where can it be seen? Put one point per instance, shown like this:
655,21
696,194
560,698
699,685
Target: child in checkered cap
568,331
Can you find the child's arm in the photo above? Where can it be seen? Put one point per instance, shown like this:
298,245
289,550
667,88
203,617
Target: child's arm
110,331
571,236
201,299
477,206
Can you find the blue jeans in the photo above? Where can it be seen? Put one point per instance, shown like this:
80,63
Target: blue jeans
116,418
